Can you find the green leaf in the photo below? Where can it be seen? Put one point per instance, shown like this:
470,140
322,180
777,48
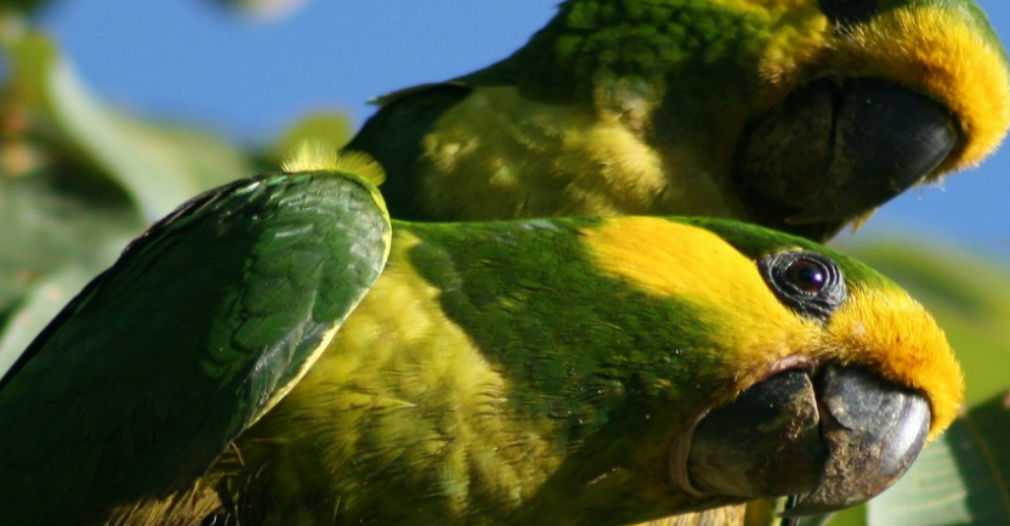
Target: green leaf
22,6
160,166
61,227
854,516
59,215
960,478
28,55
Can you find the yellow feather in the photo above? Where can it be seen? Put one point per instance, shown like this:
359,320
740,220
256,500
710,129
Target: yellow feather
883,329
889,332
665,258
310,156
316,156
928,49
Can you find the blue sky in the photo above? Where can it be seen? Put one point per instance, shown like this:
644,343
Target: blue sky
184,60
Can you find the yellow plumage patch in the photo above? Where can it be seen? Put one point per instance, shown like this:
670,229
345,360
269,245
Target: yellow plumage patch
314,156
695,263
665,258
931,49
928,49
310,156
891,333
882,329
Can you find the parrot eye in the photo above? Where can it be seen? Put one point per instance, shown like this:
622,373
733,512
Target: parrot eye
807,275
809,283
849,11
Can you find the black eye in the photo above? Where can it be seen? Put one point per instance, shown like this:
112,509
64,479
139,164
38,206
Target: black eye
809,283
849,11
807,275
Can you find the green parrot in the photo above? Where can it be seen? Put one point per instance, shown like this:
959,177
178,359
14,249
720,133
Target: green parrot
278,350
800,115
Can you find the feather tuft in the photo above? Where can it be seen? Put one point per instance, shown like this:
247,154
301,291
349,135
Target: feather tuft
316,156
310,156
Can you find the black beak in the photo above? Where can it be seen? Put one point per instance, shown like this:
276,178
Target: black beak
834,440
833,152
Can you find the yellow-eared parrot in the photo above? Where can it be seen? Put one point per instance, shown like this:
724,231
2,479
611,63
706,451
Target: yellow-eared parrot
277,351
800,115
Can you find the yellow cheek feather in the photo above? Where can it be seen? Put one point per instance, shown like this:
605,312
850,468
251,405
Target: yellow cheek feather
927,49
669,259
881,329
893,334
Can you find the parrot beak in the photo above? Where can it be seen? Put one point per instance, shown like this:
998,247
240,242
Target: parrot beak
834,439
833,151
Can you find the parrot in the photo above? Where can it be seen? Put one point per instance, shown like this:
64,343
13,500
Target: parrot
279,350
800,115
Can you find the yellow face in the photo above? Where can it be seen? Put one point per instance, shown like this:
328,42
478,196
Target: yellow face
944,50
878,327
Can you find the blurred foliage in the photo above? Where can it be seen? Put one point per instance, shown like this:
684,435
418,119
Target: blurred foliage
261,10
265,10
22,6
329,130
79,178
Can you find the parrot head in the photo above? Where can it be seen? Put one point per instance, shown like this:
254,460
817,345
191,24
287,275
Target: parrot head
837,414
801,115
818,378
884,95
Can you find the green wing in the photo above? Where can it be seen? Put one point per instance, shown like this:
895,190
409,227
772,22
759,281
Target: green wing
138,385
